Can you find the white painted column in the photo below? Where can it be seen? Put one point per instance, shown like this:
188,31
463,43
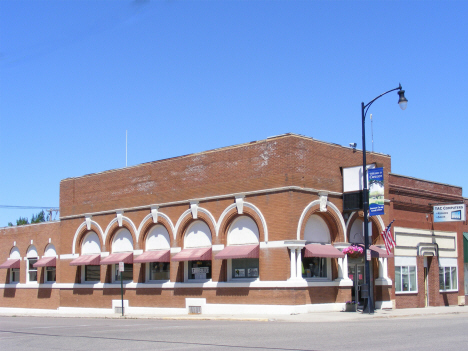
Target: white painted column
340,268
293,263
299,264
344,267
383,272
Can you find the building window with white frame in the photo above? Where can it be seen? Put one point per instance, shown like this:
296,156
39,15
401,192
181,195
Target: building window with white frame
242,250
31,271
406,279
14,275
448,278
406,274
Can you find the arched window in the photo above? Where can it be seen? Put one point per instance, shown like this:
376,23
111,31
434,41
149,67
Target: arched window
356,234
91,244
157,255
197,252
13,265
48,262
243,249
31,257
89,259
316,230
318,252
123,243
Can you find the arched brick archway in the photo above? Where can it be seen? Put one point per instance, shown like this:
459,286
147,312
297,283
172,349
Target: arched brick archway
332,218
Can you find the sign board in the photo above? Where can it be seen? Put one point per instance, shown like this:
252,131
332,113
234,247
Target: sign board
376,191
450,213
198,270
368,254
121,266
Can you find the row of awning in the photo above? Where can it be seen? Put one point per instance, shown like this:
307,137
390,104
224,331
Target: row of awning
197,254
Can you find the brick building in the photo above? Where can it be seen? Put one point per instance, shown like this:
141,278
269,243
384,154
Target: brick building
258,227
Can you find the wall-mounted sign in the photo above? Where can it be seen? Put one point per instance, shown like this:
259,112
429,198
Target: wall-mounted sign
449,213
376,191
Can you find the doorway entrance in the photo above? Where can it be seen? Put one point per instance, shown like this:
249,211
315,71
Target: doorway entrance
356,273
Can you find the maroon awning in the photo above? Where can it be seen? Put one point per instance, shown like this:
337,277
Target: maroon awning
125,257
86,260
45,262
378,252
154,256
239,251
319,250
199,254
13,263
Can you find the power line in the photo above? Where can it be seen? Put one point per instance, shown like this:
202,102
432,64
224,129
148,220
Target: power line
29,207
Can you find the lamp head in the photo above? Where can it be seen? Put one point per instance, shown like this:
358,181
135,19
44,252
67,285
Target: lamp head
402,101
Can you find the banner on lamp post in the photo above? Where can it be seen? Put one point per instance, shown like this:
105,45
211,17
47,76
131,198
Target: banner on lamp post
376,191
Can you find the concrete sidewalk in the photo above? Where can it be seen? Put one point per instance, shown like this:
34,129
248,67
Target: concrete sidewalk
306,317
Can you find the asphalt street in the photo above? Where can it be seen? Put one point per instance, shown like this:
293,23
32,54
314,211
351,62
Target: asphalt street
435,332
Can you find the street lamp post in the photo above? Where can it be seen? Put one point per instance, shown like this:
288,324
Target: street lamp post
365,196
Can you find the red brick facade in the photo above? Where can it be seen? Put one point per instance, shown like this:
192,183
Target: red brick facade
280,180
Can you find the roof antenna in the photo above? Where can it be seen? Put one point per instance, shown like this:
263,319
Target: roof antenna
126,148
372,131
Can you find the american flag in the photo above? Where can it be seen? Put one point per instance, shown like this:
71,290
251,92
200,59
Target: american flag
388,238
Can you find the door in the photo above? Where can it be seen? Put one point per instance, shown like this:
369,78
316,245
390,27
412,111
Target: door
356,274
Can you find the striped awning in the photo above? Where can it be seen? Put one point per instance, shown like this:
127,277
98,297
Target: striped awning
198,254
319,250
239,251
125,257
86,260
45,262
11,263
153,256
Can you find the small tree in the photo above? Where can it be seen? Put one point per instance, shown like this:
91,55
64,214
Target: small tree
22,221
40,217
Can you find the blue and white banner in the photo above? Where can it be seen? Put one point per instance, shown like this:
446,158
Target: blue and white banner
449,213
376,191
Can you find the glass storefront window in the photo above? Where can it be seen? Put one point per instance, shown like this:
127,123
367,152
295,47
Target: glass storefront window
199,269
127,274
92,273
159,270
314,267
245,268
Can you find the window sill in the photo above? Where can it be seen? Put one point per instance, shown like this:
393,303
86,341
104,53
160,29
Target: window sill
243,280
406,292
448,291
313,280
198,281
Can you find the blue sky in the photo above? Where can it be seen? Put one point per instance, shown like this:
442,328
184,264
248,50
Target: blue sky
188,76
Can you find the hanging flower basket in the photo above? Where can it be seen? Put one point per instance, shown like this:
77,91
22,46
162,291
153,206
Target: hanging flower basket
353,251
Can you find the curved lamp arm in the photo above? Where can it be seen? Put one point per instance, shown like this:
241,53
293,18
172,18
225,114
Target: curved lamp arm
401,101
